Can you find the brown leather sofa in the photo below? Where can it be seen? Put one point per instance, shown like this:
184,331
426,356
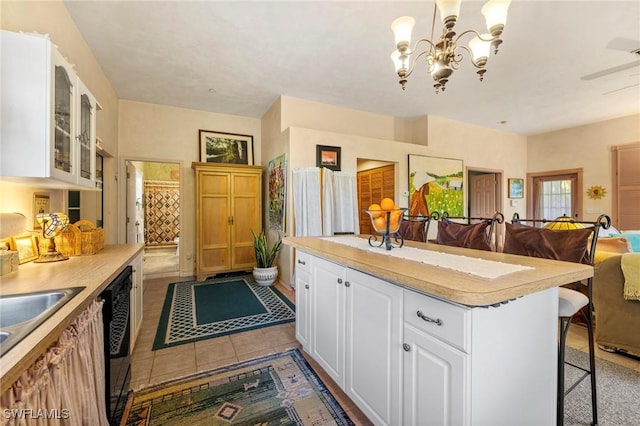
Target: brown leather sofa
617,320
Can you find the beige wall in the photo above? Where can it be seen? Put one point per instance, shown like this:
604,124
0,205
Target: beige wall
51,17
588,147
160,133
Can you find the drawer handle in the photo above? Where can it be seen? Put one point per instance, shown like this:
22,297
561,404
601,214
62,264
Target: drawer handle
302,262
406,347
422,316
339,280
306,286
347,284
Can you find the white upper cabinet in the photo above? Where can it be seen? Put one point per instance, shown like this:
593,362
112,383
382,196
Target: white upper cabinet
48,116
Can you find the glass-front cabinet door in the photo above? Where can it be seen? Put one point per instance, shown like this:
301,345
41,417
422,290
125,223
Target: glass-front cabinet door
63,115
86,137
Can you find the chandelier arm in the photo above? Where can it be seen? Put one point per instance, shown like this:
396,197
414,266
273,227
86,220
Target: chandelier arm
415,61
477,34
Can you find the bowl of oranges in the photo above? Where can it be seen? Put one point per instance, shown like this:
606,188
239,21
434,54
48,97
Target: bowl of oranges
386,216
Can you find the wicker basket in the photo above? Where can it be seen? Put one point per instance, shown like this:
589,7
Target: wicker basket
80,238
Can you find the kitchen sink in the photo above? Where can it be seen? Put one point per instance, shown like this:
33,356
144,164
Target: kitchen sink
20,314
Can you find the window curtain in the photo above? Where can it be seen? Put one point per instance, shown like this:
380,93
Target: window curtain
67,382
307,205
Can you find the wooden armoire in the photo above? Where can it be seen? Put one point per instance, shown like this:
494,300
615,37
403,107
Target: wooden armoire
228,208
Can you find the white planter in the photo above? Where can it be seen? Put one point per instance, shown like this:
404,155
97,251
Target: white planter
265,276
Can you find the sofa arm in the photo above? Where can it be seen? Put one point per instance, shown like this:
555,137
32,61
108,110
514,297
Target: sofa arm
617,320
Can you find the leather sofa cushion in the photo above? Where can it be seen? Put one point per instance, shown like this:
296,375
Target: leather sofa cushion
462,235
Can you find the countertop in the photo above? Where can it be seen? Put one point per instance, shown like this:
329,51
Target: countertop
448,284
94,272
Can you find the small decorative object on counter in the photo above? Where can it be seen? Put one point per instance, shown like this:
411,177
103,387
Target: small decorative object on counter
52,224
80,238
385,219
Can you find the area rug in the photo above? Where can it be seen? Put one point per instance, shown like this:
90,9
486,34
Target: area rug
279,389
197,310
618,393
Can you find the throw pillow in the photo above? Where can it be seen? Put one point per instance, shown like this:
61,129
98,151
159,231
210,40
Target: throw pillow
412,230
569,245
633,238
462,235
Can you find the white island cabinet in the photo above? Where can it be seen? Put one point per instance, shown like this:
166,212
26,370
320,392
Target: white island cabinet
48,120
407,357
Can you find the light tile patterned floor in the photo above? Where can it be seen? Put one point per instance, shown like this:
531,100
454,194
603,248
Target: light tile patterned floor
150,367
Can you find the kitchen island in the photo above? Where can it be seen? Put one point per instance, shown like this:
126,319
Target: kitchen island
93,272
413,342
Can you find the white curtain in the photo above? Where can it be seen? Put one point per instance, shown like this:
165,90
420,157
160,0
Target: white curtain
67,382
345,203
307,205
328,202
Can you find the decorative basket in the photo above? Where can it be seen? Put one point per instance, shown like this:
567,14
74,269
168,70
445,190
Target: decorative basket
80,238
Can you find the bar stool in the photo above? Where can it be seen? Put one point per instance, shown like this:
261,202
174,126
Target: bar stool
570,302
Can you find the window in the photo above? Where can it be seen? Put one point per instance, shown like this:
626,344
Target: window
73,210
555,194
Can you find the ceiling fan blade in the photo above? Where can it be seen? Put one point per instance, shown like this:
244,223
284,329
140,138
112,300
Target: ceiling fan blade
624,44
622,88
611,70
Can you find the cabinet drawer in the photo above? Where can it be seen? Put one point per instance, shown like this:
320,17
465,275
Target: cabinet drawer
449,323
303,261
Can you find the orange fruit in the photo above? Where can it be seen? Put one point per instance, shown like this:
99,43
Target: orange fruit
394,222
375,207
380,223
387,204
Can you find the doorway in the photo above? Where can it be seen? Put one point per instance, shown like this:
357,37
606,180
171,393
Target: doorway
153,214
485,189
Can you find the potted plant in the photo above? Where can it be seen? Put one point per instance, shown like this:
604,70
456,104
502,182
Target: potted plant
265,273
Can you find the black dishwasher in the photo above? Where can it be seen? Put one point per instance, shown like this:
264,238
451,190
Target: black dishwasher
117,331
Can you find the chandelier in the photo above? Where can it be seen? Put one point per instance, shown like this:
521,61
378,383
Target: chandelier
442,56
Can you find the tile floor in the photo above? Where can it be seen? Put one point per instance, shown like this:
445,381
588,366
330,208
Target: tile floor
150,367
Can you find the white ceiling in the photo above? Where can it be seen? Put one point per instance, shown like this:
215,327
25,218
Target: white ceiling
238,57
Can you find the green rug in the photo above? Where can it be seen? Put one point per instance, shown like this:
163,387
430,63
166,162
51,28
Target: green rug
197,310
279,389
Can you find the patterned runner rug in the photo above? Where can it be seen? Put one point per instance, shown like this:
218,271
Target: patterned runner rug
197,310
279,389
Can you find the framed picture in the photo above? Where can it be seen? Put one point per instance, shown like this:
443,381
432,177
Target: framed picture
219,147
516,188
328,156
40,205
26,247
435,184
5,243
277,173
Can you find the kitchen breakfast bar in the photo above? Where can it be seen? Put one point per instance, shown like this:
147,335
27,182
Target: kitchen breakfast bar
429,334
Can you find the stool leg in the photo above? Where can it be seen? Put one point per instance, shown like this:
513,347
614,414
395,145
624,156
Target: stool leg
592,365
564,328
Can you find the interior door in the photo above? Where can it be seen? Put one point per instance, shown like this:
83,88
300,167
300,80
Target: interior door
482,195
373,186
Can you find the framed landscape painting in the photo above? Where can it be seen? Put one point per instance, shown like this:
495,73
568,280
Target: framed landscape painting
435,185
220,147
328,156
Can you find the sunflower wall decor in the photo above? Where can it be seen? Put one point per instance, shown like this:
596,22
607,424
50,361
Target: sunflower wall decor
596,192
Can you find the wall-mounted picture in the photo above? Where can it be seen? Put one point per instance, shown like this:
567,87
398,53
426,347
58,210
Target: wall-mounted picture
516,188
219,147
435,184
40,205
328,156
277,192
26,247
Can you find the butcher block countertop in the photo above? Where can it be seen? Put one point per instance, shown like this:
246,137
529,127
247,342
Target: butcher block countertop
444,283
94,272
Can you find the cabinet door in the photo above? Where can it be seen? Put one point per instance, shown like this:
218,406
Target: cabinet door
303,290
136,299
214,220
246,201
86,137
434,381
374,347
63,120
327,317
